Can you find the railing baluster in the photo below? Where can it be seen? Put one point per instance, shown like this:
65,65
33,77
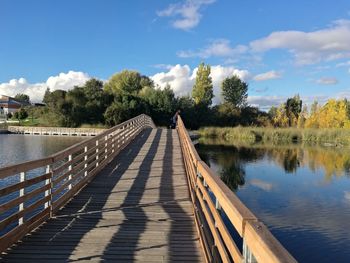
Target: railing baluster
85,161
97,152
21,193
248,256
106,145
70,169
48,181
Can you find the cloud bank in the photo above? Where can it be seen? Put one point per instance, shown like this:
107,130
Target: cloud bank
181,78
36,91
328,44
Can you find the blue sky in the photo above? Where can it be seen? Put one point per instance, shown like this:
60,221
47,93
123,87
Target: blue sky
279,47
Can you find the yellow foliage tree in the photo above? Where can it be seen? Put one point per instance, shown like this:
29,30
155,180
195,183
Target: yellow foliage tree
281,119
334,114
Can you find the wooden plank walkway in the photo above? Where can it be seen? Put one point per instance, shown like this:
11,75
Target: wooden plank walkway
137,208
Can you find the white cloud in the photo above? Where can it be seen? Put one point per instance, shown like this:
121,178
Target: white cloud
343,64
330,43
181,78
187,13
327,81
266,102
217,48
347,196
310,47
36,91
266,186
268,75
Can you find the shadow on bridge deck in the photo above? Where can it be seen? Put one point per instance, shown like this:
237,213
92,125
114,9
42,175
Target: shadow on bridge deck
136,209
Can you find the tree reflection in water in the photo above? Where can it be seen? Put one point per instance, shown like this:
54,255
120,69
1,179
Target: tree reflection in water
333,161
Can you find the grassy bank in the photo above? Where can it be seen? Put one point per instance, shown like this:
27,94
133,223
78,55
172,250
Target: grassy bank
42,122
257,134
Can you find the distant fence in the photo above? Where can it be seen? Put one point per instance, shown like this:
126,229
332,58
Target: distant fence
55,131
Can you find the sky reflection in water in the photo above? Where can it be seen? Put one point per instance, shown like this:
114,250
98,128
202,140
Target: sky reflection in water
302,193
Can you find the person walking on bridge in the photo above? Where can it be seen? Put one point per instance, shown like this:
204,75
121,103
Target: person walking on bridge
174,119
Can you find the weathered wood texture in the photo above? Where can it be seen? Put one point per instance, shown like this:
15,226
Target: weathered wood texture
138,208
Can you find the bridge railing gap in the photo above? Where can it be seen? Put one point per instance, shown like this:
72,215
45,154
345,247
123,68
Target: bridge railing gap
212,199
37,189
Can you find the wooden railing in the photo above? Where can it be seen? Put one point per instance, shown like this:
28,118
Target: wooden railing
37,189
214,204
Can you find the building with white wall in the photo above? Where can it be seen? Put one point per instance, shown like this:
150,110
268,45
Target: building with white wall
9,104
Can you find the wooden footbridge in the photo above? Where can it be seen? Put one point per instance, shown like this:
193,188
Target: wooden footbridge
132,193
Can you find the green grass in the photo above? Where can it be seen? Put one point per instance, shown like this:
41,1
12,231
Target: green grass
278,135
94,126
46,122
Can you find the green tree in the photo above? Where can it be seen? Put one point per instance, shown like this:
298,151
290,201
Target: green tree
293,108
54,99
23,98
127,82
202,91
235,91
124,107
161,103
186,105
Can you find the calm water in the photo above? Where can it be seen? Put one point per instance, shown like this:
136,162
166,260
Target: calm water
19,148
302,193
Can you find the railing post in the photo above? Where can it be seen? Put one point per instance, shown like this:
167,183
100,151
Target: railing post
97,152
217,205
106,145
248,256
85,161
70,169
112,142
21,193
49,191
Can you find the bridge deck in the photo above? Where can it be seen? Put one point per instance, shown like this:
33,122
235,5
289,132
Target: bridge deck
136,209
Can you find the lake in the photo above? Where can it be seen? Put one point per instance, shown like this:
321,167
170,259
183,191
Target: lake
301,192
19,148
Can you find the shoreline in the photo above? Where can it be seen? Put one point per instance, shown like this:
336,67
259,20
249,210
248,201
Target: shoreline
53,131
327,137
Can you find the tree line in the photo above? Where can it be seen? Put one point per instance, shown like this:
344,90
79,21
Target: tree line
128,93
292,113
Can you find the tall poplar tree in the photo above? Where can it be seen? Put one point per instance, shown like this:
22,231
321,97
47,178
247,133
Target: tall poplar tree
202,91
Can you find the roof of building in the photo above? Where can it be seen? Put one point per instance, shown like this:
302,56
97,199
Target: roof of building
9,101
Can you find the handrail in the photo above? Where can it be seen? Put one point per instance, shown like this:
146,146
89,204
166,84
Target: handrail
211,199
52,181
